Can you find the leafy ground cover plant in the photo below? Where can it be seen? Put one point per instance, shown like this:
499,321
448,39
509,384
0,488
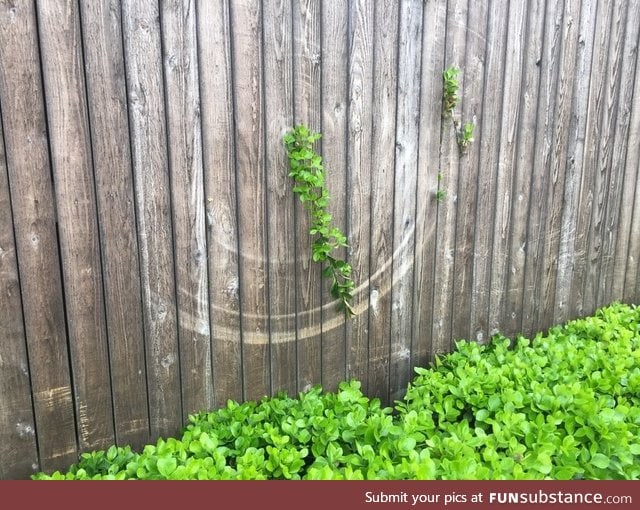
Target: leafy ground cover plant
563,405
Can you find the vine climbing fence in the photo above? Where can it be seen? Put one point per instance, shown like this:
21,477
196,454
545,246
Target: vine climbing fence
154,260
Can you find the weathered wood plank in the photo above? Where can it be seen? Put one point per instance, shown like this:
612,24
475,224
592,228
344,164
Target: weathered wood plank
576,127
307,111
449,168
279,93
361,17
145,90
488,142
71,161
107,101
214,57
402,256
18,447
335,59
432,64
385,79
25,140
623,175
248,85
187,199
536,265
507,135
467,198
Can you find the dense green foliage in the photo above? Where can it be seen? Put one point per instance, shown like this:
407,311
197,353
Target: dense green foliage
565,405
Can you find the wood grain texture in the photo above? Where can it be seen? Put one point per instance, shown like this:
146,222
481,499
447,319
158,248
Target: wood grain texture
18,448
184,139
403,253
218,146
72,165
335,52
279,94
248,85
107,102
383,145
26,144
147,124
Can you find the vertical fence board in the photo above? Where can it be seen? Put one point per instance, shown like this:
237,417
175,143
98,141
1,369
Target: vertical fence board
307,105
279,93
215,71
385,70
246,23
26,144
187,188
335,51
145,92
18,448
402,255
359,185
71,161
106,94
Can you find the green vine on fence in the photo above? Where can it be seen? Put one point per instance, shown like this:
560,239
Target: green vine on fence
307,170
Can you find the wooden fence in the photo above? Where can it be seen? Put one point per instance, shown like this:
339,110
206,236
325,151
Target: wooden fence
154,261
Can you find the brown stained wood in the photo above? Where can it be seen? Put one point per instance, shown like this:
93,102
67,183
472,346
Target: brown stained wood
507,135
449,159
335,57
107,102
216,103
71,161
536,264
466,202
618,217
187,199
145,93
18,448
432,64
401,257
630,286
360,166
279,94
591,206
246,25
488,143
25,141
307,111
568,256
383,144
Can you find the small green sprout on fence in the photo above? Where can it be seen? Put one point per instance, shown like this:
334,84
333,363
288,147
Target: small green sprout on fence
307,170
449,91
465,136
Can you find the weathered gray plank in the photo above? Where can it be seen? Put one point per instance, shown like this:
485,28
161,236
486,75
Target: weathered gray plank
361,16
576,127
385,70
623,175
25,140
402,256
432,64
145,89
214,58
449,168
187,199
488,142
467,198
246,23
106,95
71,161
335,59
279,93
307,111
18,448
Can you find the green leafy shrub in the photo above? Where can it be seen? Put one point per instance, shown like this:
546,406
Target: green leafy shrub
565,405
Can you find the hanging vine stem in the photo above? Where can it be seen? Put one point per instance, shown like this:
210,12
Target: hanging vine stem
307,170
